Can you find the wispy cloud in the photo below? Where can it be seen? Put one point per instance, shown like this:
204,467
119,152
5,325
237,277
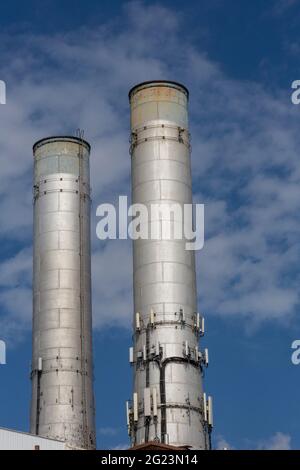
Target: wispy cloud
223,444
108,431
281,6
120,447
279,441
245,162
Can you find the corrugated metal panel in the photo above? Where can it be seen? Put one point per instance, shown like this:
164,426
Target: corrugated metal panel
13,440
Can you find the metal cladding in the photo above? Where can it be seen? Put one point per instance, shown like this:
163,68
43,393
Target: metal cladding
168,403
62,405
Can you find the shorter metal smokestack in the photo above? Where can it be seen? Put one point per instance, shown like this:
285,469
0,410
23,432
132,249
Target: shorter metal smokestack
62,405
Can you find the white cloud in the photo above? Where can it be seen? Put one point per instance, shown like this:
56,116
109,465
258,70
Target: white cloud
17,269
279,441
112,285
16,302
245,161
15,296
108,431
222,444
121,447
282,6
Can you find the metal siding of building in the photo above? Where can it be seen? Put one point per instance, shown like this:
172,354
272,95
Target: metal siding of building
13,440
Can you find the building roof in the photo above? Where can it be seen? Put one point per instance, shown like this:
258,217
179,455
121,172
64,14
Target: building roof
153,445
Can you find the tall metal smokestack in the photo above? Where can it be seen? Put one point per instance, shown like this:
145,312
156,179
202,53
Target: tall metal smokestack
168,402
62,364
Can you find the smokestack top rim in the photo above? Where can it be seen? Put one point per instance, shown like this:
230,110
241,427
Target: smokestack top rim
61,138
163,83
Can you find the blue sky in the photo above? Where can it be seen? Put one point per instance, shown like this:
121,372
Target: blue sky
70,64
